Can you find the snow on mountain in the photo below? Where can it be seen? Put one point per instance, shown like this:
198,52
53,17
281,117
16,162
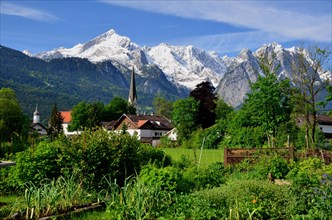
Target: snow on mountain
27,52
186,65
108,46
244,70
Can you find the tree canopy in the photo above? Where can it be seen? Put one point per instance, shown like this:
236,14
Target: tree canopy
90,115
162,106
12,119
310,86
55,123
206,98
269,104
117,107
183,117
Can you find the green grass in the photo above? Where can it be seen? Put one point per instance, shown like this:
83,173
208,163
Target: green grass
209,156
6,203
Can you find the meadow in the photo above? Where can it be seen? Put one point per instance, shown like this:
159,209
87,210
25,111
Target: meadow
204,158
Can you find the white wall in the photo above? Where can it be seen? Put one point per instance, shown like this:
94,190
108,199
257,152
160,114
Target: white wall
146,133
40,129
326,128
69,133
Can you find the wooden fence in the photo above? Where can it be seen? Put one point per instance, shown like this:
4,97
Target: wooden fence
236,155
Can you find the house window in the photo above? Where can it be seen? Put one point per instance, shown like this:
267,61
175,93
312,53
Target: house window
158,134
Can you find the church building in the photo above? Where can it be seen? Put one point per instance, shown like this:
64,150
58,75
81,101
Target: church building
36,126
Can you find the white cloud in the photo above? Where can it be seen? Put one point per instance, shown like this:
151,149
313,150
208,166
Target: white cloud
231,42
26,12
258,15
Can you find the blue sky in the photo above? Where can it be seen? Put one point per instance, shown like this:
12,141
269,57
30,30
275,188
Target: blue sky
222,26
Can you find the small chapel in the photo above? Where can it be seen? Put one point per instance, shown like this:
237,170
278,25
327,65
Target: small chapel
36,126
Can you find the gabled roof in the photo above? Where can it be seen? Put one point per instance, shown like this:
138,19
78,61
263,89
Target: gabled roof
33,125
155,122
324,119
108,124
321,119
66,116
140,123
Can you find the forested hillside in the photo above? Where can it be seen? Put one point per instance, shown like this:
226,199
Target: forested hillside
68,81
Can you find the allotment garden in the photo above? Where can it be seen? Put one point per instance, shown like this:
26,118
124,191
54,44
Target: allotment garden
100,175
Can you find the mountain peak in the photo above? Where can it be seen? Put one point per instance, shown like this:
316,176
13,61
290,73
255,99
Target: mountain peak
109,38
27,52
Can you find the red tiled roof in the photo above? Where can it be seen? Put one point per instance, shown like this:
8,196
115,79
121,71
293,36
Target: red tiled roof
140,123
66,116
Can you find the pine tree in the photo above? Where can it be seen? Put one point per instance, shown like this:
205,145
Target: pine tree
55,123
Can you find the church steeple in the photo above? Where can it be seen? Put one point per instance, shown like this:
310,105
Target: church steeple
36,116
132,100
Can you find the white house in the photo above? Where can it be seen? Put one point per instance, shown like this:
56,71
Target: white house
66,115
172,134
325,124
148,128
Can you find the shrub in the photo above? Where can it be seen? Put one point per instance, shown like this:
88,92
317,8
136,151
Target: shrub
249,199
200,178
322,199
310,183
33,165
275,165
189,207
94,154
149,154
167,178
184,162
306,173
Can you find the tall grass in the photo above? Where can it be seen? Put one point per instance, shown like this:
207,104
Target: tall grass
135,200
51,197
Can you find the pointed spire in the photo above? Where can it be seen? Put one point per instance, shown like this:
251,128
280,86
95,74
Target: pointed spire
36,117
132,100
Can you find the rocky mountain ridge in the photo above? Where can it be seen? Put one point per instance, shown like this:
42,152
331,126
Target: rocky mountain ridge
186,66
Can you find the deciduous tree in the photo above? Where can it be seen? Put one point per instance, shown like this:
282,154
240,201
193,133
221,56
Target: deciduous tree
86,116
116,108
206,98
222,109
162,106
12,119
183,117
307,78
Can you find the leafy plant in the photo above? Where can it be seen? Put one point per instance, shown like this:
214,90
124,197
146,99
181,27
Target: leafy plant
204,178
167,178
50,197
276,165
249,199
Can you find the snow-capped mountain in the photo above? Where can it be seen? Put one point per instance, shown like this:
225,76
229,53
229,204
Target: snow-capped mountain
186,66
244,70
108,46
